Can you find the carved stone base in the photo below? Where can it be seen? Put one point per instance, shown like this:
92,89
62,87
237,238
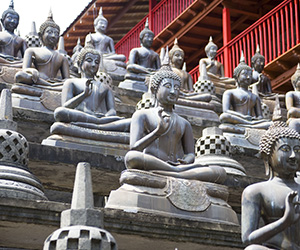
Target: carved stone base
134,85
7,74
190,199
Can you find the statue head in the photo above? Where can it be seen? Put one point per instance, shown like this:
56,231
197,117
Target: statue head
14,17
242,67
176,54
276,146
164,76
146,32
211,48
295,79
258,61
48,23
84,52
100,23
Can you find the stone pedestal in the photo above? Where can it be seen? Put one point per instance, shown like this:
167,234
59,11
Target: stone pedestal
180,198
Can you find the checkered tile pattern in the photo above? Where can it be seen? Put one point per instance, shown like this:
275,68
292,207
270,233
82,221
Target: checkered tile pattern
80,237
33,41
103,77
205,86
145,104
265,111
213,144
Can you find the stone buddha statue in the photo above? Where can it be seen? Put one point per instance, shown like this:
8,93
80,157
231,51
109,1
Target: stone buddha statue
142,62
114,64
211,69
160,140
261,80
241,108
87,102
292,101
12,47
46,60
274,202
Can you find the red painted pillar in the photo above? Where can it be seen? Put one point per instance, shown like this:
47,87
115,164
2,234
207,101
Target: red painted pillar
152,3
226,39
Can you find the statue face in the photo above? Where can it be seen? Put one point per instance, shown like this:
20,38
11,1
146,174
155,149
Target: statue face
101,26
11,22
90,64
259,65
177,58
245,78
50,36
168,91
297,84
147,40
285,159
212,52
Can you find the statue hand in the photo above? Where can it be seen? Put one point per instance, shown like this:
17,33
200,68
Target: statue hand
88,87
292,209
163,123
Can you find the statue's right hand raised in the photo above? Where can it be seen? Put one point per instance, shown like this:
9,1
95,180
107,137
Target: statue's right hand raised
163,123
88,87
292,213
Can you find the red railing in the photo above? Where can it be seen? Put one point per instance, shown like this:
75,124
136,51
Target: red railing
161,16
276,33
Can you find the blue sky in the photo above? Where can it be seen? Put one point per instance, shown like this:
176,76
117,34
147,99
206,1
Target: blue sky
64,12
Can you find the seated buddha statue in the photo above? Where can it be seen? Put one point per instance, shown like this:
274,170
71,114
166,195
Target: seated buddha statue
46,60
270,209
292,102
12,47
211,69
142,62
87,102
113,63
263,82
161,141
241,108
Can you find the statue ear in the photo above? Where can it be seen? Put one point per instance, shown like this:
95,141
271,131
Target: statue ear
269,171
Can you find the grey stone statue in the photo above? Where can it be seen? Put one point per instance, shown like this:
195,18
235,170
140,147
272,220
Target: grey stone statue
47,61
242,108
82,224
12,47
87,101
141,63
292,102
161,141
275,201
113,63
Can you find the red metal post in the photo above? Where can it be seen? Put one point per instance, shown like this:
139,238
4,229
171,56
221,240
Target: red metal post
226,39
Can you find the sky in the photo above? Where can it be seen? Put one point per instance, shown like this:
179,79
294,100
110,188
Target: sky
64,12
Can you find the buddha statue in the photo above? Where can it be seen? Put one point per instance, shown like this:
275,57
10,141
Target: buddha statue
241,108
211,69
270,209
113,63
47,61
292,101
12,46
261,80
161,141
142,62
87,102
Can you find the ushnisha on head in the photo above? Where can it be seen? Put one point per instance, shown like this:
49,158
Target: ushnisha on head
242,65
9,10
164,72
209,45
256,56
100,17
296,77
48,23
145,31
175,48
87,49
276,131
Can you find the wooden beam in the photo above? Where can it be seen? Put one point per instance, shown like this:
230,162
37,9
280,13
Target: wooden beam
283,78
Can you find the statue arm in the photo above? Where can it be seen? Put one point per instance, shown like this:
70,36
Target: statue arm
190,83
157,62
257,108
110,103
293,112
188,146
251,234
65,69
222,70
23,48
112,46
202,70
68,99
27,60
